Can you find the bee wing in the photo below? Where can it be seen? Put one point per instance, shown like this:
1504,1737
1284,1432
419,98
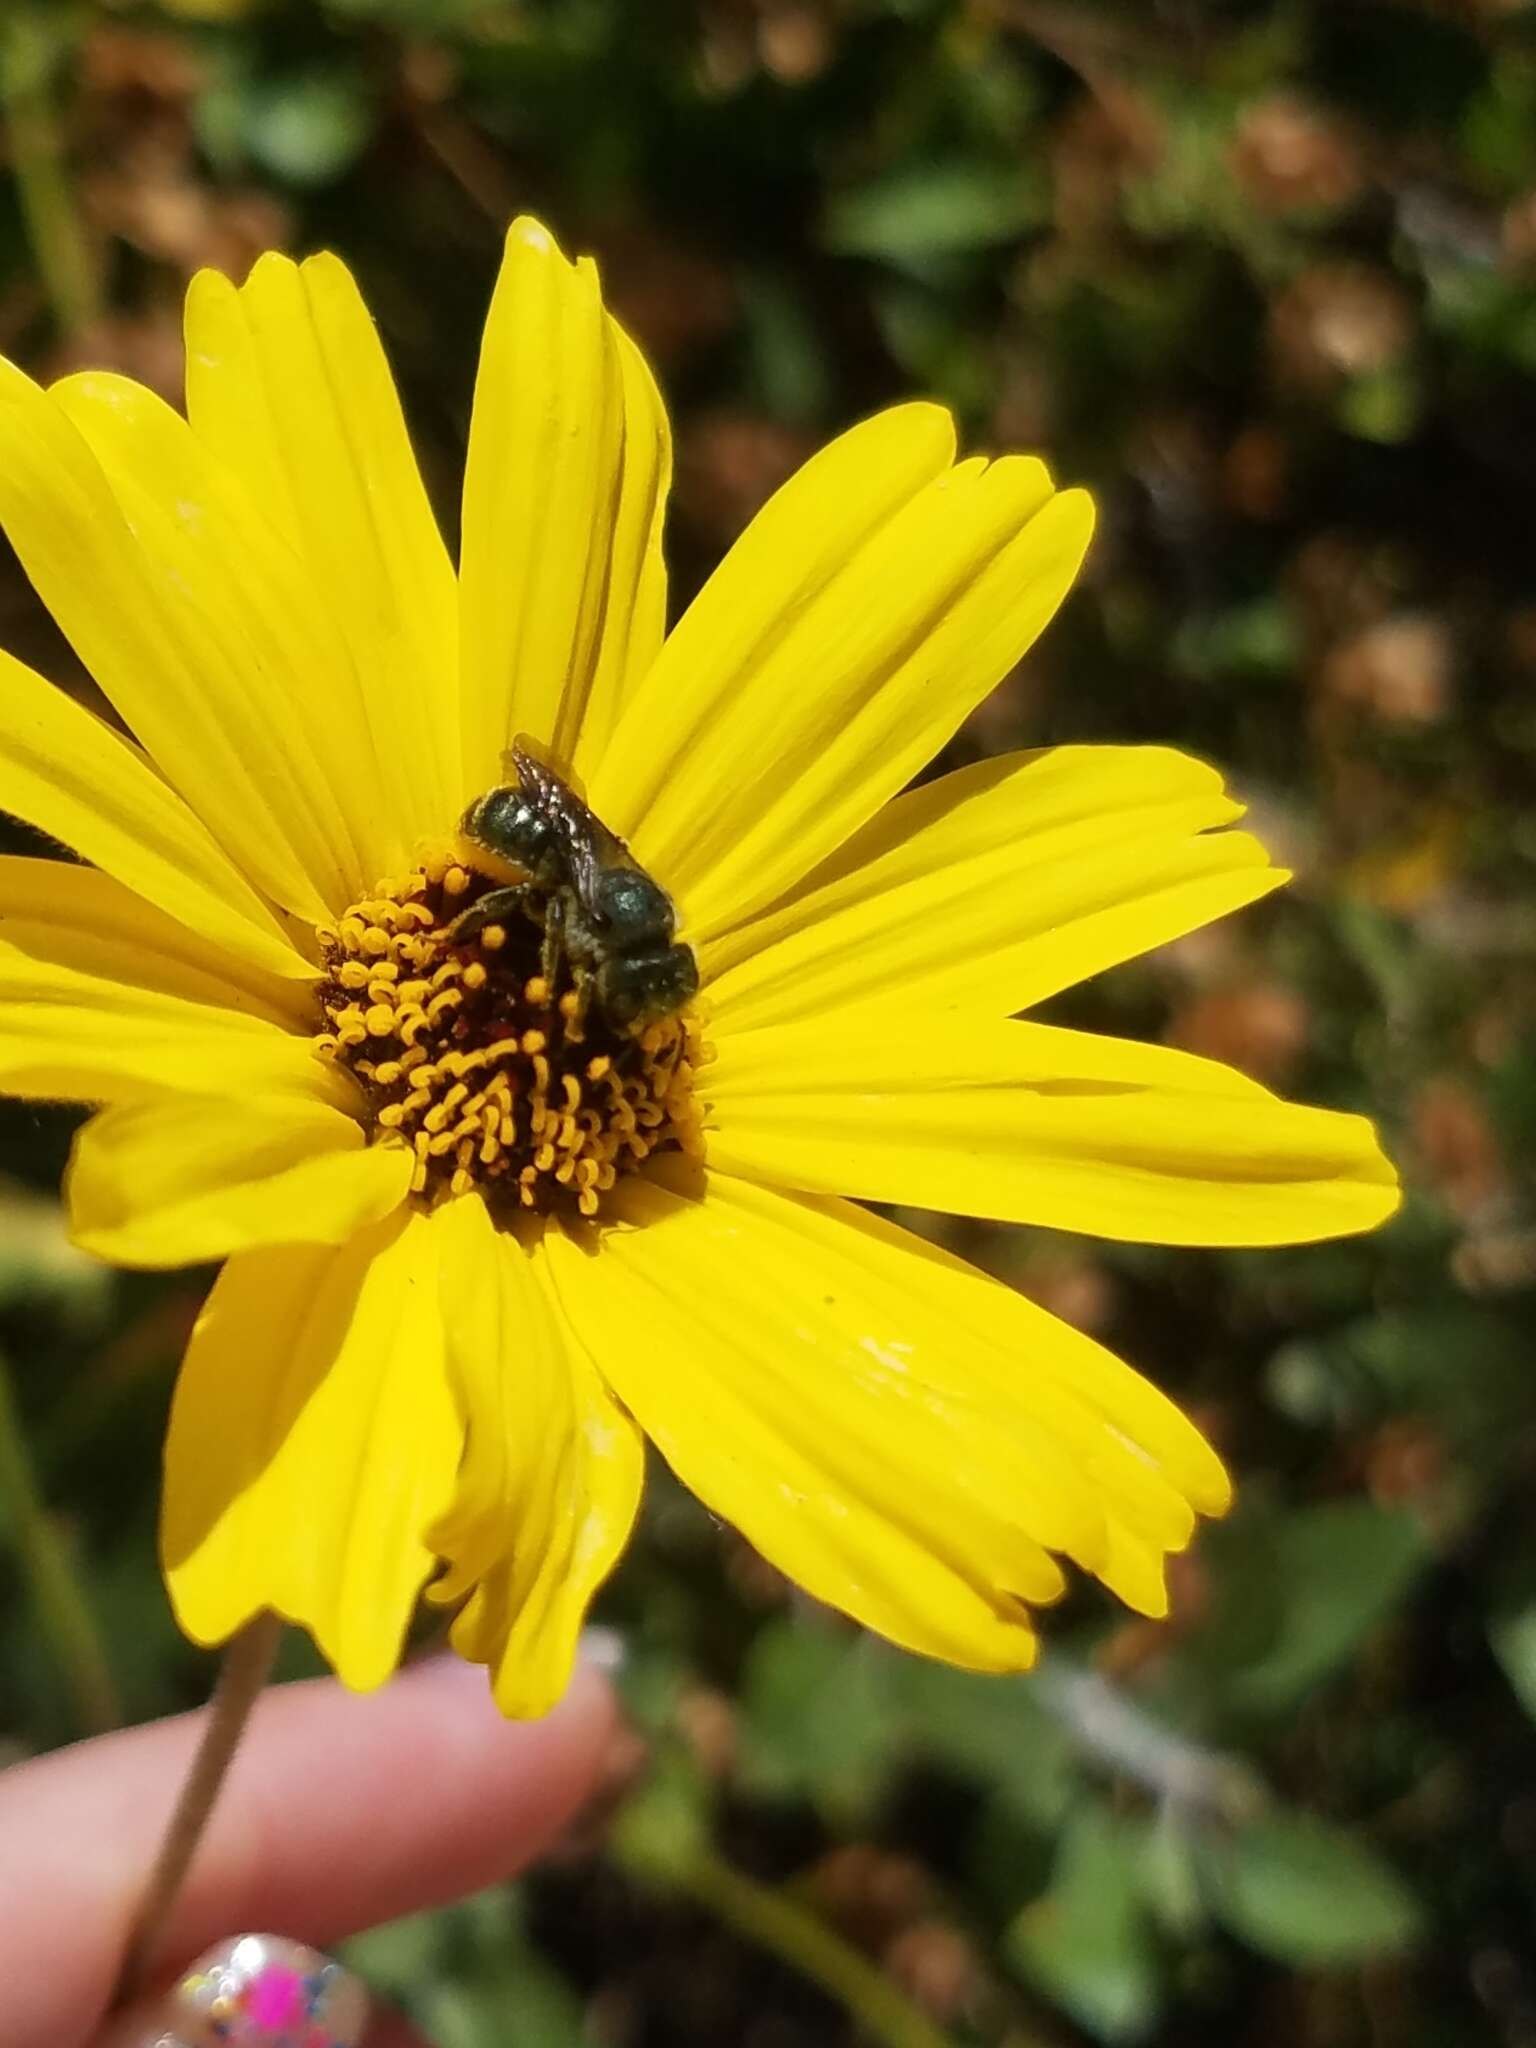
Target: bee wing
589,846
589,855
527,753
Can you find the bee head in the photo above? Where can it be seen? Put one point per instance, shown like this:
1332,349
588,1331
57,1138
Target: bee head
506,836
637,988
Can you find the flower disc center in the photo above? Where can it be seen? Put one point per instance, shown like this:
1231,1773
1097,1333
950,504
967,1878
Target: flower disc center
497,1076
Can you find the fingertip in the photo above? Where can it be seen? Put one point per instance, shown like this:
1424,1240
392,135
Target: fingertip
573,1738
401,1800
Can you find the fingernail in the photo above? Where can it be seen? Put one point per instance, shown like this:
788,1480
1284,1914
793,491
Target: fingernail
253,1991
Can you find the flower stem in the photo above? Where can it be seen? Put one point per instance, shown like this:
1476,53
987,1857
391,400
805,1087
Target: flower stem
1112,1729
30,49
245,1670
776,1922
63,1611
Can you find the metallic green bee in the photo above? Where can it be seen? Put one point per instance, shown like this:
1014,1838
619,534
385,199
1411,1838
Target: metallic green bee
599,907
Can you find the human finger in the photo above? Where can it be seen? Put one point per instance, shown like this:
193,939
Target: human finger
339,1812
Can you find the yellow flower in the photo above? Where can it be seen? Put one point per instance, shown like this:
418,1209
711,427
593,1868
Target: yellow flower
421,1362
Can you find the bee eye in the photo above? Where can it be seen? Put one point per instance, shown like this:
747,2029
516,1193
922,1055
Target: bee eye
649,984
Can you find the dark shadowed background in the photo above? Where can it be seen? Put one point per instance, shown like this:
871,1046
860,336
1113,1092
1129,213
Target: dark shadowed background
1264,277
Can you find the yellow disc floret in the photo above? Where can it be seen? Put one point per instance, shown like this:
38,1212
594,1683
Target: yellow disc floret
495,1078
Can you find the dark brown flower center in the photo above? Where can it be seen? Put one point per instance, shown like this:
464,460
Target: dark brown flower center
496,1077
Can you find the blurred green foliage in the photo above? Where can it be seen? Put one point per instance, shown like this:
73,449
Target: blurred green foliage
1264,276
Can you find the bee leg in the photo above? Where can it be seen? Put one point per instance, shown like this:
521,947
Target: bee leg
583,981
554,939
494,907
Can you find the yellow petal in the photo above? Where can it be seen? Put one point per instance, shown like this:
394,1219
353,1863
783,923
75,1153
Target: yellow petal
1030,1124
563,587
70,775
287,687
550,1483
313,1442
199,626
995,886
82,905
175,1181
873,602
288,387
904,1437
105,999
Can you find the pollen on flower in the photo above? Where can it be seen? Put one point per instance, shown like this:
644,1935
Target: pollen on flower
498,1080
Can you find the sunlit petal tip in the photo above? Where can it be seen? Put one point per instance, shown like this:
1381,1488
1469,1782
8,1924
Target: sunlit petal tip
271,269
362,1662
1377,1179
326,268
195,619
1142,1583
1030,1123
1364,1181
160,1184
1021,1652
66,772
1062,530
926,418
560,615
308,1490
872,603
1080,509
16,387
207,1620
211,319
923,1448
533,234
995,886
207,286
517,1699
550,1482
1210,1490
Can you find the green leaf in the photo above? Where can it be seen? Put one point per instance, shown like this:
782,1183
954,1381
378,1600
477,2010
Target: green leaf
400,1953
1170,1874
1310,1894
1512,1638
990,1729
1317,1582
663,1824
1087,1943
788,362
928,334
471,1975
819,1716
39,1265
309,128
927,210
1257,639
1383,406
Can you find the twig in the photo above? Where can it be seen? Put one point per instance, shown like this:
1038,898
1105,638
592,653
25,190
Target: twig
777,1923
63,1611
246,1668
1114,1730
66,261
